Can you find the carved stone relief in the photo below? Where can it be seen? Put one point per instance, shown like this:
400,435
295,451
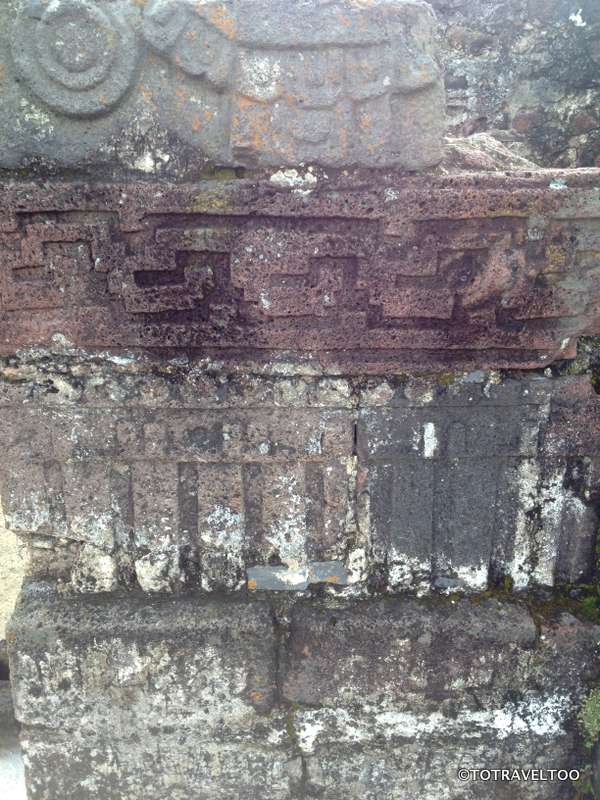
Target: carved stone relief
240,84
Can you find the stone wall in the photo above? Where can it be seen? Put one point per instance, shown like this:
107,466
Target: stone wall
12,568
298,427
528,70
381,699
173,475
457,271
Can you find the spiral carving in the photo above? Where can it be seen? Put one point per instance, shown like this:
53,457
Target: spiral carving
76,57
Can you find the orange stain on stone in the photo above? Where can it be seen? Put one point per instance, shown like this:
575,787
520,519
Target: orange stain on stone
252,584
343,138
256,697
556,256
375,146
221,19
258,122
181,96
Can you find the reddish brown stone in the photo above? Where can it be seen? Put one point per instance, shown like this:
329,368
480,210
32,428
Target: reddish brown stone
461,271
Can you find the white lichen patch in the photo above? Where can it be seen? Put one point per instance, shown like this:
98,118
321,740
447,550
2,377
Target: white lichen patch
473,576
36,116
357,565
408,573
558,184
534,716
30,514
556,503
94,527
430,441
225,529
287,533
259,75
151,161
159,571
94,571
577,19
264,301
519,568
299,183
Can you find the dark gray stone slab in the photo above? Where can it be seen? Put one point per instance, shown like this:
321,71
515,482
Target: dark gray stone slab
475,480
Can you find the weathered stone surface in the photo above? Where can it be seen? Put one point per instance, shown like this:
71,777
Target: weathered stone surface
394,697
468,271
169,86
12,569
177,476
252,412
12,778
527,70
481,479
170,474
375,699
145,699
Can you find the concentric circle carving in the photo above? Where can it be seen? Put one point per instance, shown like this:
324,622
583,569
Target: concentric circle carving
78,58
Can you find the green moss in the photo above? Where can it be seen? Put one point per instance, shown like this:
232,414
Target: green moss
211,200
219,174
585,606
589,717
583,788
589,608
290,724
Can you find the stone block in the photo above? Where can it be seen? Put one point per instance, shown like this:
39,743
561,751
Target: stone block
162,766
208,699
453,483
250,84
392,698
126,686
429,770
394,651
473,481
460,271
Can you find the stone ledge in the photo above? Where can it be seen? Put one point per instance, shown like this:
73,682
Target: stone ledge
471,270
